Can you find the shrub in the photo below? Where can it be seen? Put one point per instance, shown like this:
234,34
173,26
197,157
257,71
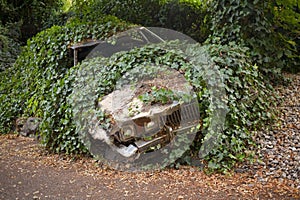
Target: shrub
252,24
43,62
285,20
186,16
30,14
9,45
41,80
250,101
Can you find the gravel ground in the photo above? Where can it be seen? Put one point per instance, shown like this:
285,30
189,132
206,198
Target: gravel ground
280,146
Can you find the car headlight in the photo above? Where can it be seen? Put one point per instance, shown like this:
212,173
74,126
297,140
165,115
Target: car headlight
128,132
150,125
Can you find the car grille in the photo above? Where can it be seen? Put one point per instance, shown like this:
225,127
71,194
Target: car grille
187,114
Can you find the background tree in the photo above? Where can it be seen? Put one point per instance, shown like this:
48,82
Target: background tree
31,14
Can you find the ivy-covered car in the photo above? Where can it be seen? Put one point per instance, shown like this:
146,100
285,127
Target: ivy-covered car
150,129
142,123
147,116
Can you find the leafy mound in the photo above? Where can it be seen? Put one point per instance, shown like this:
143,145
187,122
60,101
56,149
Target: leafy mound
250,101
41,80
27,86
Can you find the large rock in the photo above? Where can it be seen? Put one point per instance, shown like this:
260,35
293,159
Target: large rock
27,126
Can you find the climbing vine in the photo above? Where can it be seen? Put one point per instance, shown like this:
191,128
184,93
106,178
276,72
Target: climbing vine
252,24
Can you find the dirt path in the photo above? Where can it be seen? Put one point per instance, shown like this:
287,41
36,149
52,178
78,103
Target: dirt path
26,172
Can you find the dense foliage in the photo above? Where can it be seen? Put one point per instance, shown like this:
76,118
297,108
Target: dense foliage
270,29
273,38
246,40
248,98
185,16
250,101
286,23
27,86
20,20
30,14
9,46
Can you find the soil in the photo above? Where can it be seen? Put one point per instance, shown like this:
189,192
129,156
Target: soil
27,171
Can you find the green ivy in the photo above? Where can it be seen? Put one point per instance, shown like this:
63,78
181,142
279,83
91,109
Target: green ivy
184,16
32,82
42,82
158,95
251,102
107,71
252,24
